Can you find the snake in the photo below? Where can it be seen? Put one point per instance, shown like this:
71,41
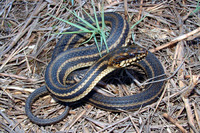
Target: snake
68,57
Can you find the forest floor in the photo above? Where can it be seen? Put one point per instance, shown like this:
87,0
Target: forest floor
169,29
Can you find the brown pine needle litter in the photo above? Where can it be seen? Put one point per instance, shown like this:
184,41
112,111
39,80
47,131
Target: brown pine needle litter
170,29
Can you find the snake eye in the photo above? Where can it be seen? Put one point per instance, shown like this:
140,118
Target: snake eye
127,56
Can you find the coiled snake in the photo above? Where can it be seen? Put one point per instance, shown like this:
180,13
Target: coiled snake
68,57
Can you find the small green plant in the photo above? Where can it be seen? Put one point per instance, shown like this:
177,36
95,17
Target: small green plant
94,30
91,28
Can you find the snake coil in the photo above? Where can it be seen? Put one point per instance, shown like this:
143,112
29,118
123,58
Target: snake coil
68,57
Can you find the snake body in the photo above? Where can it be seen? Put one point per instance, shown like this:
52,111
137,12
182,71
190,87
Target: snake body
67,57
57,67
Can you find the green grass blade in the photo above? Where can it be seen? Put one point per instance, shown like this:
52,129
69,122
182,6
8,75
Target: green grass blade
103,29
102,33
84,21
72,24
95,39
93,34
138,22
104,39
95,16
101,43
89,15
74,32
197,8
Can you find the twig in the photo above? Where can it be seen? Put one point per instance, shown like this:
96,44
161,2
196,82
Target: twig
164,79
189,114
193,82
74,121
185,96
174,122
175,40
136,128
140,12
111,125
98,123
160,99
18,77
126,9
8,36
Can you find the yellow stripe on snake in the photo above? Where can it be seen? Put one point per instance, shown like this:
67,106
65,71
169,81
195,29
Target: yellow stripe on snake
68,57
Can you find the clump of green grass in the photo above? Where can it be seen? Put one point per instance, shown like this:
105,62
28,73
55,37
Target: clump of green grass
94,30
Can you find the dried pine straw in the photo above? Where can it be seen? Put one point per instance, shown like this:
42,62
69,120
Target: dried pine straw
171,30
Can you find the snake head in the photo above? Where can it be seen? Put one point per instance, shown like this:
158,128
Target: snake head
126,56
